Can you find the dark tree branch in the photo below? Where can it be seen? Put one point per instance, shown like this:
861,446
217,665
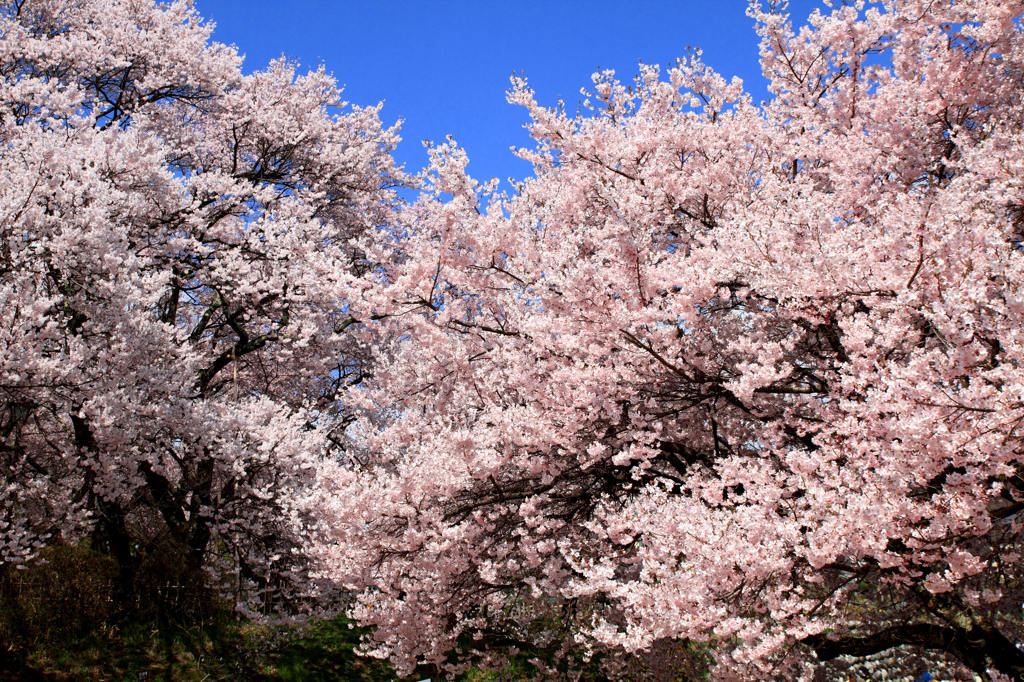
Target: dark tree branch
917,634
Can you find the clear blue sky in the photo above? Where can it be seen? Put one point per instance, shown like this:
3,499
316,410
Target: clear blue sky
443,66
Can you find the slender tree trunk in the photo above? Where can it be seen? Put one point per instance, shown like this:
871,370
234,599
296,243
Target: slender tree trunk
110,533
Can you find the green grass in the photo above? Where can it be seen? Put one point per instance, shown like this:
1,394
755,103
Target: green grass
60,619
324,650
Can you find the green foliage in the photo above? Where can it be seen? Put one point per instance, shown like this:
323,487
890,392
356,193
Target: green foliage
321,651
324,651
63,618
64,594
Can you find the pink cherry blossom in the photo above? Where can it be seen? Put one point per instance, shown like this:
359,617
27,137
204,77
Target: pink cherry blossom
718,372
180,247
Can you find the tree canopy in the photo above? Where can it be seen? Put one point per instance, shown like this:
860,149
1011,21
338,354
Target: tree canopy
721,372
178,246
733,379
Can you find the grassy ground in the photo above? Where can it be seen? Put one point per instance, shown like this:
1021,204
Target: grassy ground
323,651
60,620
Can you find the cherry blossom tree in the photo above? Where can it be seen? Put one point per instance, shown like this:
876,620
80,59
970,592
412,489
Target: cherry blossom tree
179,244
742,375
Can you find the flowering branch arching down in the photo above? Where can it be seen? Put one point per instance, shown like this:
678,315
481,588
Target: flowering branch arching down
743,375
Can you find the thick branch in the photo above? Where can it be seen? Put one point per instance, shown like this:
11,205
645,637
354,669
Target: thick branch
917,634
980,647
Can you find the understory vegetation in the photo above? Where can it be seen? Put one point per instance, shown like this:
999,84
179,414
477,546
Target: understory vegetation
61,619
